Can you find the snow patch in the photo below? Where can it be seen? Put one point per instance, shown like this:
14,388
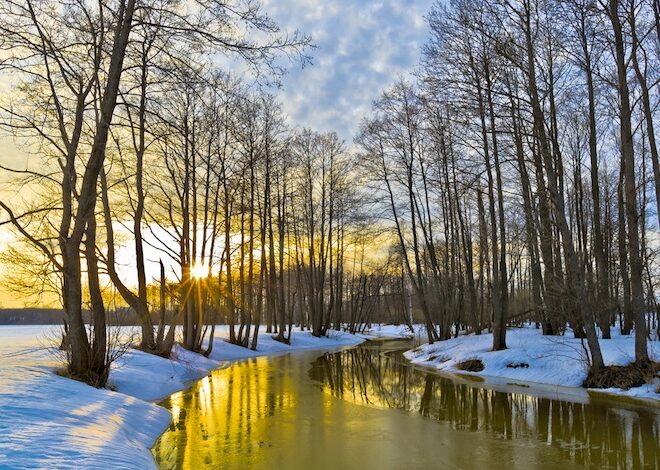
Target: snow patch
552,360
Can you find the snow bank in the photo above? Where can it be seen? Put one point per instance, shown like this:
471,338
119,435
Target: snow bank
153,378
266,345
532,357
51,422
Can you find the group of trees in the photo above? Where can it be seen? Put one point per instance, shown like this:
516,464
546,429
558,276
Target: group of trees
513,179
519,169
92,86
262,222
142,144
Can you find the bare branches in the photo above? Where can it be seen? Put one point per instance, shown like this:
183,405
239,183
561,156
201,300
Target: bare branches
15,221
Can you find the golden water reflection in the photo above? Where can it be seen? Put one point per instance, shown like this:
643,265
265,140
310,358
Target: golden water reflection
588,434
278,413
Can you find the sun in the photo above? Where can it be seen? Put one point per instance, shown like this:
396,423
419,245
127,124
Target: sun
199,271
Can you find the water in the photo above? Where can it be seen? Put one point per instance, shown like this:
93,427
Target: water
367,408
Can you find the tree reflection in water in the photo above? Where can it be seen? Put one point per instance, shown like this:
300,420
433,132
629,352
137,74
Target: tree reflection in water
220,423
278,413
589,434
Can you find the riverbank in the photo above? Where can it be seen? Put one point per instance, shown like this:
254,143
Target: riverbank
534,358
56,423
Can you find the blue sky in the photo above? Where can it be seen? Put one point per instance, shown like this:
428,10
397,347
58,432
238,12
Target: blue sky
362,47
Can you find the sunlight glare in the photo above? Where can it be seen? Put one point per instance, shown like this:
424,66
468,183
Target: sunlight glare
199,271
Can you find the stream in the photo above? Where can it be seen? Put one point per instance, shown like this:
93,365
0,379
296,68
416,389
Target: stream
368,408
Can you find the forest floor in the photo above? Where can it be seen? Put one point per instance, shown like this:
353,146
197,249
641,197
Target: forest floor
53,422
531,358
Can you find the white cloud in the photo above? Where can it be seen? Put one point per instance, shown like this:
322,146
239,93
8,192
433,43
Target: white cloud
363,46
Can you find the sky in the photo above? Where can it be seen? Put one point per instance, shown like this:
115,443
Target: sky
362,46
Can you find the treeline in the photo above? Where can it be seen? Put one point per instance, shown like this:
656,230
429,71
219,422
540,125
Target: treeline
120,316
520,168
31,316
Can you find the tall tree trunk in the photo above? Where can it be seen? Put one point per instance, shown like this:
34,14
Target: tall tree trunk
558,202
81,359
602,275
99,368
630,185
646,104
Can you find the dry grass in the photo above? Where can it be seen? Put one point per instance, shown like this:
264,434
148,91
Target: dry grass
471,365
93,378
438,358
624,377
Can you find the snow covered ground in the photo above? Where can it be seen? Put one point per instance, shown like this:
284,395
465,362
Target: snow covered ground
390,331
532,357
51,422
150,377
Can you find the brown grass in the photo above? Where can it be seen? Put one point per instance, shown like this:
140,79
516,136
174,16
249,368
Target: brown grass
624,377
471,365
438,358
93,379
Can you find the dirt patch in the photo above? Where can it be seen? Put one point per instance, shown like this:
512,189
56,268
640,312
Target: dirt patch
517,365
438,358
93,379
513,384
281,340
471,365
624,377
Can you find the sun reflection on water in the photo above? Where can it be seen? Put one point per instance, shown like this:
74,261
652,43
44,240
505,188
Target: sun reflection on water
363,409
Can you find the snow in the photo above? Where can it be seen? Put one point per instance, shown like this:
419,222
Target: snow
266,345
390,331
551,360
152,378
49,421
52,422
